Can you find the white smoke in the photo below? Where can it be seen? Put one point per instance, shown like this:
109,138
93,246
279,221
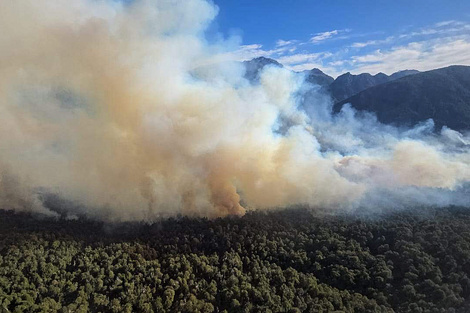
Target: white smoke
125,111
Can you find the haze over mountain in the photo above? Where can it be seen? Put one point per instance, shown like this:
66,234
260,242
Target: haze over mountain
404,98
254,67
442,94
344,86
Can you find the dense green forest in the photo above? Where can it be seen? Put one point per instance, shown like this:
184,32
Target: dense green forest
281,261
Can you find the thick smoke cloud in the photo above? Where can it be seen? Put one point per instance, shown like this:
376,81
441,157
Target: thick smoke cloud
123,112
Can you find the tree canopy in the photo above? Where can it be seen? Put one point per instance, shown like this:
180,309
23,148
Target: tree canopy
279,261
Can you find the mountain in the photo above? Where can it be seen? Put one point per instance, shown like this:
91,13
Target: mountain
403,98
317,77
253,67
347,85
442,94
401,74
340,88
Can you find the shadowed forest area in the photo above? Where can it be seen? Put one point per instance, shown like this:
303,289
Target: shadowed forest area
280,261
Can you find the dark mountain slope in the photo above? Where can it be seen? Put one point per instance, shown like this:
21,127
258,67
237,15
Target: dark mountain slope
403,73
442,94
348,84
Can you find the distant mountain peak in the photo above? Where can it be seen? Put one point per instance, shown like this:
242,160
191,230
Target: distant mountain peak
347,74
263,61
254,66
316,71
317,77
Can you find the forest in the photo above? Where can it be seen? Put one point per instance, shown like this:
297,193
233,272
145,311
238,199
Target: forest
293,260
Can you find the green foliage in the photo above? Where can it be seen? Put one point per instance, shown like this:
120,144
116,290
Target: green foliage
283,261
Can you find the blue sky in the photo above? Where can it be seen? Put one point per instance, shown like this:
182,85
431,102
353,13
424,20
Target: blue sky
356,36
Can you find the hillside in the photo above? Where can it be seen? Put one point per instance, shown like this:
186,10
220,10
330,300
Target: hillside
441,94
284,261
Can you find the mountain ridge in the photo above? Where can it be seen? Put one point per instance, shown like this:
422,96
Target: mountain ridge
442,94
404,98
344,86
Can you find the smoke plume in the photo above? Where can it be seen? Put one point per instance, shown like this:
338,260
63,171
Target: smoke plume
126,112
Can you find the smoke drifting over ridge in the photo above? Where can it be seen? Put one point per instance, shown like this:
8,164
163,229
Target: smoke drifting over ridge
123,111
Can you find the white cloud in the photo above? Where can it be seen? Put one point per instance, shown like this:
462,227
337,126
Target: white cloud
282,43
248,52
447,23
337,63
243,53
445,28
441,44
441,29
307,61
424,55
372,42
332,71
364,44
301,58
323,36
251,51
